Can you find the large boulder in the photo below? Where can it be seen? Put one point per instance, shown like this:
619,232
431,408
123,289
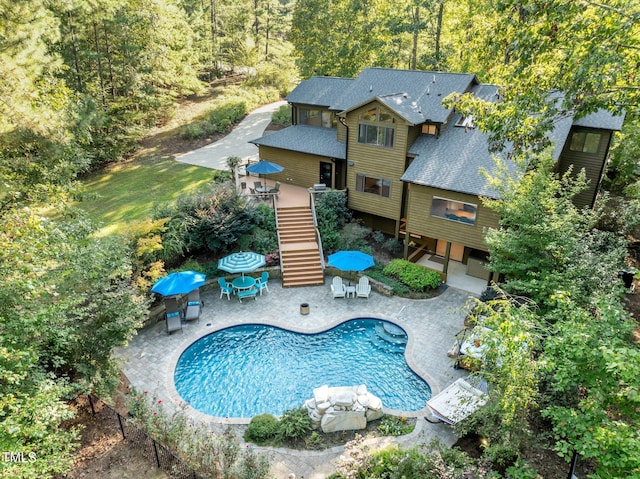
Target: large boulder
343,421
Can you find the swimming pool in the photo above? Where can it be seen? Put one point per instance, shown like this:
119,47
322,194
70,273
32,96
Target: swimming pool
243,371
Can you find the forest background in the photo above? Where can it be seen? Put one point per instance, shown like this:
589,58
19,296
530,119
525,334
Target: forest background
82,81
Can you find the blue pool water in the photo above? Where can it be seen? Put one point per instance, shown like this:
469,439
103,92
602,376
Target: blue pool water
253,369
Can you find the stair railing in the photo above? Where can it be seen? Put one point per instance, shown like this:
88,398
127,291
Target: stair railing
275,211
315,227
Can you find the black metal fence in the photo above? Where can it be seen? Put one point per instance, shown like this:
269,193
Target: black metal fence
161,456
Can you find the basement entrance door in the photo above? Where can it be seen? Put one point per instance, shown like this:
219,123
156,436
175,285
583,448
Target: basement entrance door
326,171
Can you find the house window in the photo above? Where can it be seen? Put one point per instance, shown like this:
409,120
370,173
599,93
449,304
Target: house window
373,185
585,142
315,117
454,210
430,129
375,129
375,135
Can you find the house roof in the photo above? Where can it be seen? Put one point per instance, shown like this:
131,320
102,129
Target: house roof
414,95
305,139
602,119
319,91
453,160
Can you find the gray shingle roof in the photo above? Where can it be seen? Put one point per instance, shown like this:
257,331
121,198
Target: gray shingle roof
306,139
415,95
319,91
602,119
453,160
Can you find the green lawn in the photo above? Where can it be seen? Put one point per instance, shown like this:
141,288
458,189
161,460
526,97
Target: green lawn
128,191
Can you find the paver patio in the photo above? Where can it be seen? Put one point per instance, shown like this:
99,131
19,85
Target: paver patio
150,359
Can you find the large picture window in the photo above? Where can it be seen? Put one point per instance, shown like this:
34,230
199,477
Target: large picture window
376,128
454,210
373,185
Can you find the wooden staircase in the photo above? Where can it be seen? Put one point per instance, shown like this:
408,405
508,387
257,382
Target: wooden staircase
299,252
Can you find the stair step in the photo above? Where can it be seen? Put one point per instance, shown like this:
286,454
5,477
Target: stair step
303,282
297,238
310,261
299,252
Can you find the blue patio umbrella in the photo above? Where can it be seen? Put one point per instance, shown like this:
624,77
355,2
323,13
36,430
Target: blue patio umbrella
180,282
264,167
243,262
351,260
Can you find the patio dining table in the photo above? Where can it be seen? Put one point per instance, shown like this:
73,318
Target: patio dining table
243,282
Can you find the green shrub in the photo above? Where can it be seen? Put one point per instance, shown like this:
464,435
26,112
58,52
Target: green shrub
353,237
377,273
314,441
396,462
294,424
252,466
261,429
392,245
332,214
193,131
394,426
417,277
282,116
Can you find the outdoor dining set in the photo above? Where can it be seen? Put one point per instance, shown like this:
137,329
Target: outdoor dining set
243,286
181,290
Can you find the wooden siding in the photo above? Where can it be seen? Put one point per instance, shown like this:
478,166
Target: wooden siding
420,221
376,161
413,134
591,163
300,169
341,132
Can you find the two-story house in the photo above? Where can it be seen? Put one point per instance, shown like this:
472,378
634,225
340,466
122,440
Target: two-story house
411,166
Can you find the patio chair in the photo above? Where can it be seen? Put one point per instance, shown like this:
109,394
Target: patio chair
337,288
257,184
363,289
194,306
261,283
276,188
225,288
173,314
247,293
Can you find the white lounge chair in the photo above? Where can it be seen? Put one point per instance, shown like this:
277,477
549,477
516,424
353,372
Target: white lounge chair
337,288
456,402
363,289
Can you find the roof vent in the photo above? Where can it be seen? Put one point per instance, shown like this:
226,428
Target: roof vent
370,87
428,90
433,79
